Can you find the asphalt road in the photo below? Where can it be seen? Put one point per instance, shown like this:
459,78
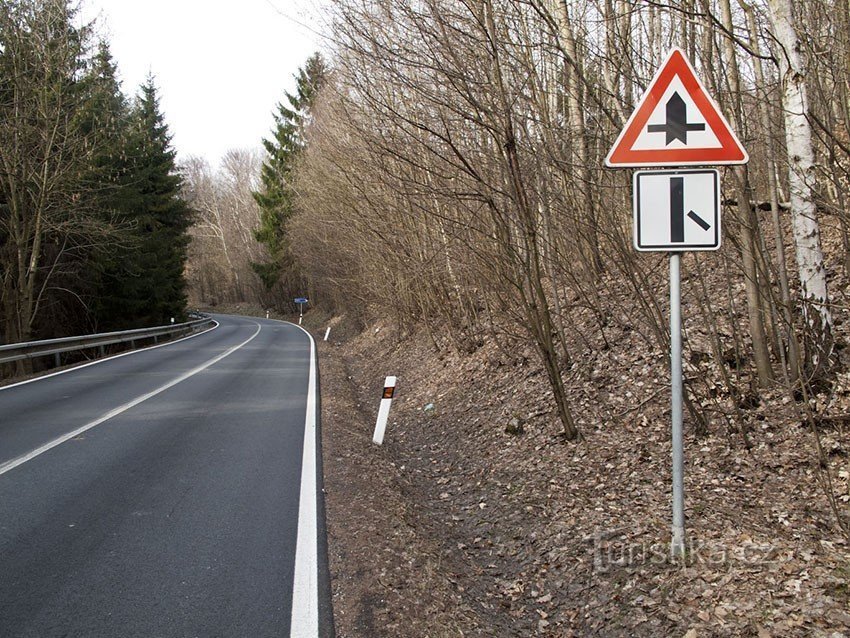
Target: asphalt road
157,494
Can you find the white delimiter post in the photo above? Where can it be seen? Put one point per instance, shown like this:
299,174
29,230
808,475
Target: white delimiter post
677,544
384,410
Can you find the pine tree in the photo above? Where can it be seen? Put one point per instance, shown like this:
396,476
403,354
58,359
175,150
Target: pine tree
145,285
104,118
276,197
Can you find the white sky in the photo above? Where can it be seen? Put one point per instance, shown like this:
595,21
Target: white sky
221,65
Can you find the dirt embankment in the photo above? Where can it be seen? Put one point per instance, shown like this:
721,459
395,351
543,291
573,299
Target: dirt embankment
457,528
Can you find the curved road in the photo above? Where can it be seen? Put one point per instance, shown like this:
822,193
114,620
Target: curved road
158,493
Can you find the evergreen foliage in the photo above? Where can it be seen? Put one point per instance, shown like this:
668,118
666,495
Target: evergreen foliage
105,122
144,284
275,197
93,232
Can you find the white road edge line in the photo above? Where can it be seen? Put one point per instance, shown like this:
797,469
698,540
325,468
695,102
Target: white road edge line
11,465
105,359
305,585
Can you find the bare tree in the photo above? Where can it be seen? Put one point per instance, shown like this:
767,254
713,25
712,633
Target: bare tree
43,152
222,241
454,179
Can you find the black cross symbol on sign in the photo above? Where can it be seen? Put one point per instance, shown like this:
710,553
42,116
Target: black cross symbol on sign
677,126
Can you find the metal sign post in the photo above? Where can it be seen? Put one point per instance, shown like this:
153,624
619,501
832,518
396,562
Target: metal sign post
677,544
674,211
676,123
300,301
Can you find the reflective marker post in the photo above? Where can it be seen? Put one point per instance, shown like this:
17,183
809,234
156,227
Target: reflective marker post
677,544
384,410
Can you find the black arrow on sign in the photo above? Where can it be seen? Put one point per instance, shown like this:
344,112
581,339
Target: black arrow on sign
677,126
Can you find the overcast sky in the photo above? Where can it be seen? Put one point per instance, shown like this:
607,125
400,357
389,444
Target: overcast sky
221,65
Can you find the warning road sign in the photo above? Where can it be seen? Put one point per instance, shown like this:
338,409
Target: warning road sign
676,123
677,210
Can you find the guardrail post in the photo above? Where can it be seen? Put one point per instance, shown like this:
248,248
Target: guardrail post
57,359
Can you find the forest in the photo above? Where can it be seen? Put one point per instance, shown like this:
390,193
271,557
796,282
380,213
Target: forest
93,224
453,175
446,169
439,170
442,164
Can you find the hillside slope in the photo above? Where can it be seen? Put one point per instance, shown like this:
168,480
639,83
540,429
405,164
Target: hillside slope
456,527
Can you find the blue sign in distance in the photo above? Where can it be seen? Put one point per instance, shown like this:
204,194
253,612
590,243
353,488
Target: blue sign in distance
301,300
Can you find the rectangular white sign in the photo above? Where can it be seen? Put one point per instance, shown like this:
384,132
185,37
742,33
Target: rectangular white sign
677,210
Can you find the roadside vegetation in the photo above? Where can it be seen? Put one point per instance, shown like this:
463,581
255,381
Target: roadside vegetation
454,175
93,229
452,185
453,178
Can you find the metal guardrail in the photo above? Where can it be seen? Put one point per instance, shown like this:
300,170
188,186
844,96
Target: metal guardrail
34,349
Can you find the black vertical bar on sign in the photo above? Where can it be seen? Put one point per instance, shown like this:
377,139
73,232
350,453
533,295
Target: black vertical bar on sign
677,209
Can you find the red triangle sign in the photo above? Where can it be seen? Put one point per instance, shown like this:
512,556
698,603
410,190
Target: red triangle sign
676,123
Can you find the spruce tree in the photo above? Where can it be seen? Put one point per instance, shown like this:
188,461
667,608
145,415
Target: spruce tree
145,284
275,197
105,119
164,217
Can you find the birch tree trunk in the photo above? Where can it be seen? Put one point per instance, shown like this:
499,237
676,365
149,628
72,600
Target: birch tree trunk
764,117
801,179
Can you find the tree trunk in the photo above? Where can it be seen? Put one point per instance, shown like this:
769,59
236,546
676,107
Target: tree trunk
801,179
578,137
747,220
764,116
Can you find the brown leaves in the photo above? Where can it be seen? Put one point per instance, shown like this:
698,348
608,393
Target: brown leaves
573,539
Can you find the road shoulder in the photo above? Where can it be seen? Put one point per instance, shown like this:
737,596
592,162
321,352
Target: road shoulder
387,577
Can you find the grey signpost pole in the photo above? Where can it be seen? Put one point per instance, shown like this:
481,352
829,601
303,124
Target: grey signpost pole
677,544
300,301
676,210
